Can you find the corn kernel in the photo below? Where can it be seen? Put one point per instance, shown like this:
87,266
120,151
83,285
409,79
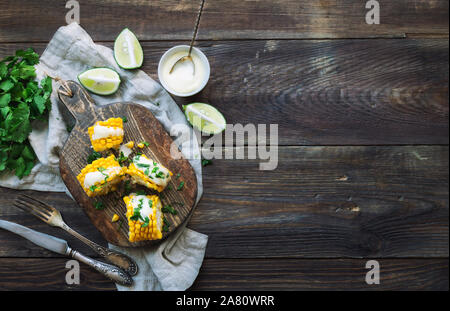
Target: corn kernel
115,218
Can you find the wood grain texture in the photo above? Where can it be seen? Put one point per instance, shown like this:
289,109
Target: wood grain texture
321,202
329,202
338,92
141,126
28,21
243,275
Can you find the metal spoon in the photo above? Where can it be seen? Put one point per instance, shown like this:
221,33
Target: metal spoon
189,57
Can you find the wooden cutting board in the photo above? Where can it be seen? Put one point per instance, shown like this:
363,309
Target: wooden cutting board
141,125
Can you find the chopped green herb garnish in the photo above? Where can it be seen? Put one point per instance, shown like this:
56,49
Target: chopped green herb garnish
180,186
155,169
146,222
166,224
178,175
141,202
94,156
122,158
206,162
146,144
93,187
127,187
140,192
169,209
136,214
160,175
124,119
99,205
143,165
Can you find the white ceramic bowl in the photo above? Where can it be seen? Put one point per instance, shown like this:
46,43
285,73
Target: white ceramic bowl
180,48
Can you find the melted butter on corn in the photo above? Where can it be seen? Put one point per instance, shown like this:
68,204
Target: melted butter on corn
96,177
101,176
105,132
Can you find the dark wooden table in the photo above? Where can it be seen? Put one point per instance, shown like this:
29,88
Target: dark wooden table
363,133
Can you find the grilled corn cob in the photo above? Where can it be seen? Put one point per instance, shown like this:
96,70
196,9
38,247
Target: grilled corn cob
148,173
106,134
145,218
101,176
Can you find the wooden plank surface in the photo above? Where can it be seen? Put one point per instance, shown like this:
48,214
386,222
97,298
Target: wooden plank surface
31,21
242,275
337,92
321,202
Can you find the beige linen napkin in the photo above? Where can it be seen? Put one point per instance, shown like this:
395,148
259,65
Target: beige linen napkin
172,265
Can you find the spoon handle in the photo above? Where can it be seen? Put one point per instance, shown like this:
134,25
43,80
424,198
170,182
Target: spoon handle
196,27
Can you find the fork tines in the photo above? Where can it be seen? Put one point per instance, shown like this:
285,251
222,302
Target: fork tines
34,207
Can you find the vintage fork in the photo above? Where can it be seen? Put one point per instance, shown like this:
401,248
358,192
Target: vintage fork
53,217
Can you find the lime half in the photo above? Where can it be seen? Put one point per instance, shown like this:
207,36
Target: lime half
101,81
205,118
128,51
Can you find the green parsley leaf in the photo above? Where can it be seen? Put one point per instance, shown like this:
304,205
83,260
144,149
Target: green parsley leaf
21,101
166,225
143,165
180,186
169,209
122,158
206,162
5,100
124,119
99,205
146,222
160,175
127,187
94,156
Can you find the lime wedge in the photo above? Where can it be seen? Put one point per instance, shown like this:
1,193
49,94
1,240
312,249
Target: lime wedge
128,51
205,118
101,81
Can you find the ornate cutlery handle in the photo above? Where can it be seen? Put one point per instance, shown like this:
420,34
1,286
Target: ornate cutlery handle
113,273
116,258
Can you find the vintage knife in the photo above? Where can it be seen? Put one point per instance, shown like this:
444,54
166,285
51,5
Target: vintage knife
61,247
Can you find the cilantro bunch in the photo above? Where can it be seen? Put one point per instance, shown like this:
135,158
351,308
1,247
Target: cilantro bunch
22,100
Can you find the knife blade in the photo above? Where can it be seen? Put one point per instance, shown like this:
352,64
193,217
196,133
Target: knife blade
61,246
46,241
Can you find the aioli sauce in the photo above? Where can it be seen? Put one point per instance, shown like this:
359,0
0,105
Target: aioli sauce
183,78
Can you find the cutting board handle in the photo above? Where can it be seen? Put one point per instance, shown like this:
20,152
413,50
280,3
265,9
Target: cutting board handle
78,101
